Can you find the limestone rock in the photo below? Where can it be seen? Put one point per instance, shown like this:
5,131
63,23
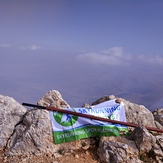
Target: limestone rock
159,139
143,139
158,115
118,150
103,99
85,105
157,149
11,114
138,114
34,134
53,98
158,125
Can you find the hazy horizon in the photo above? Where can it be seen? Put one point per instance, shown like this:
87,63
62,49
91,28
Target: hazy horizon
83,49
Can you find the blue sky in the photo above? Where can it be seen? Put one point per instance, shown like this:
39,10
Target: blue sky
85,25
50,44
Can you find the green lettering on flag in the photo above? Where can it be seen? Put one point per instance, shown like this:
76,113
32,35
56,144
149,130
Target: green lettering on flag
85,132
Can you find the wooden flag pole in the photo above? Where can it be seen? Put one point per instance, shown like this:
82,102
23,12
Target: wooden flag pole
92,117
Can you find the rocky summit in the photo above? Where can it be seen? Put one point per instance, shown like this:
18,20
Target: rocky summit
26,135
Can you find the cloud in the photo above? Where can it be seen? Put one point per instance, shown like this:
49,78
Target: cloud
151,59
35,47
5,45
32,47
115,51
112,56
117,56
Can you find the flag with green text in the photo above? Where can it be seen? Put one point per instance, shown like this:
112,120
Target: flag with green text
68,127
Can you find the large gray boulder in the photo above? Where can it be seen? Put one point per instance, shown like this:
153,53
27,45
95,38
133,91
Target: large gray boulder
144,140
138,114
118,150
34,134
11,114
158,115
158,148
53,98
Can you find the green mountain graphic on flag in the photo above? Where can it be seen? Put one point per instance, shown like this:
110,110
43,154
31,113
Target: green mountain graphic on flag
65,119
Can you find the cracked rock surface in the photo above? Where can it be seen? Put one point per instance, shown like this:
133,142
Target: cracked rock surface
118,150
11,114
32,135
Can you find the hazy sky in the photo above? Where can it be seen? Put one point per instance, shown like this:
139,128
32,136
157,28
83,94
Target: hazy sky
83,48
